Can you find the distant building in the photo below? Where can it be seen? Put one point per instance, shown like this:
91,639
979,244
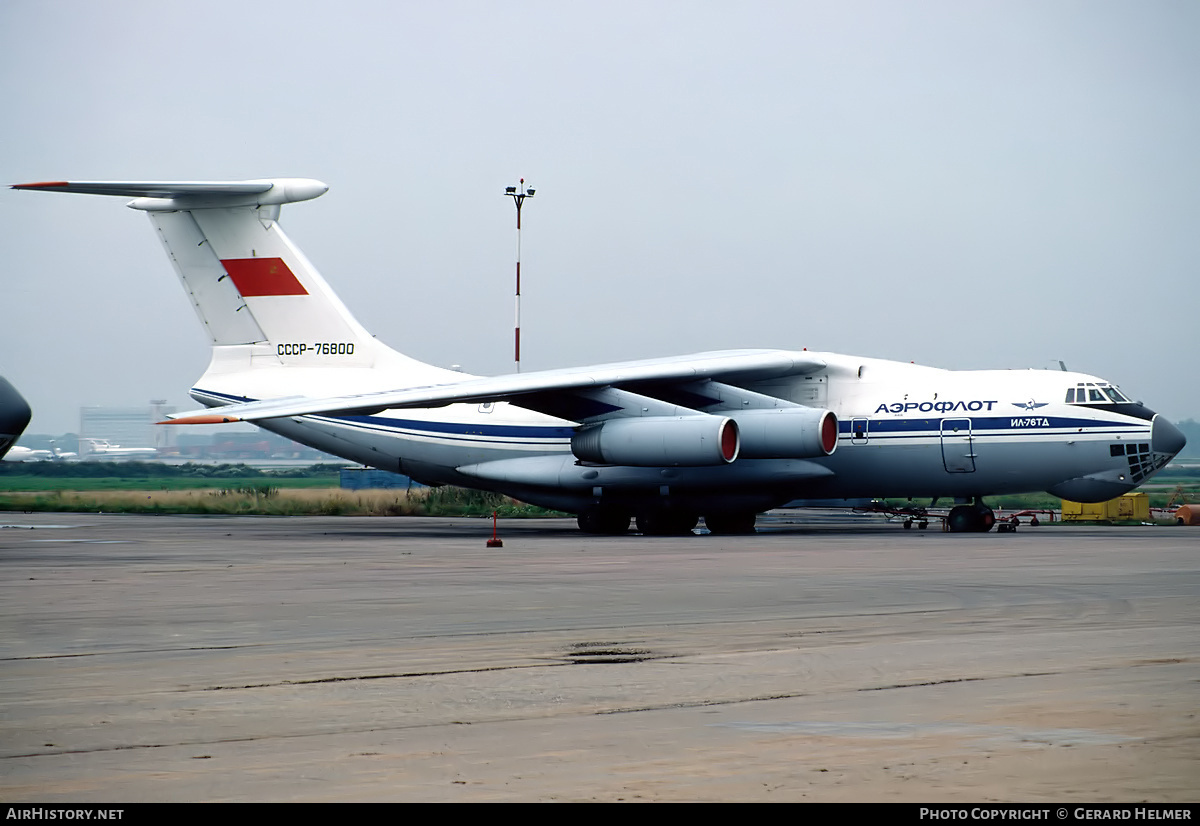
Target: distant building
228,444
128,426
369,478
132,427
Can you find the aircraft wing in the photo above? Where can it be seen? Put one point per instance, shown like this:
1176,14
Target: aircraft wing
729,365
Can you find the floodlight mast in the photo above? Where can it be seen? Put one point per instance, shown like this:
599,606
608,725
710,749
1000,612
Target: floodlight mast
518,193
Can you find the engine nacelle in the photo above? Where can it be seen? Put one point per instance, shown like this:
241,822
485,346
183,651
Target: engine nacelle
659,441
787,433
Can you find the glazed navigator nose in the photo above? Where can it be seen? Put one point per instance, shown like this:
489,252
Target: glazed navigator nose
1166,437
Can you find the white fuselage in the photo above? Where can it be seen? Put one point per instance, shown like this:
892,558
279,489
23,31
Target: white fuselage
904,430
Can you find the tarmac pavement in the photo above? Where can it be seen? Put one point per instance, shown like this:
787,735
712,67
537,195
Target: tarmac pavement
830,657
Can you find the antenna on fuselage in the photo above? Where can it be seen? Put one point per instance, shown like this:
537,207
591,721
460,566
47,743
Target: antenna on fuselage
1062,366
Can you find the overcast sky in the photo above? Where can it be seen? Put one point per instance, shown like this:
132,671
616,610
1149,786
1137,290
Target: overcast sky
961,184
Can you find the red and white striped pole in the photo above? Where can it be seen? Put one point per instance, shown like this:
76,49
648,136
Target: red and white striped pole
519,194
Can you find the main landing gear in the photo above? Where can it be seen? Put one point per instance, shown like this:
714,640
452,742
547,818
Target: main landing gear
976,518
730,524
614,521
667,522
608,521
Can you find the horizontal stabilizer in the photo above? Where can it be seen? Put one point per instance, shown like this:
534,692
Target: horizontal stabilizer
194,194
151,189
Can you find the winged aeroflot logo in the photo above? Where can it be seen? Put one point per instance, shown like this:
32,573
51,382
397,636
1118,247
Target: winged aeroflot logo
1030,405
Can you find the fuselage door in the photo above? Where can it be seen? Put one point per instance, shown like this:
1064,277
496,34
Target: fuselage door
858,431
958,448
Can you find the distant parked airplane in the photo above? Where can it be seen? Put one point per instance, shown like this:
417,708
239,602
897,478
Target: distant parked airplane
103,450
17,453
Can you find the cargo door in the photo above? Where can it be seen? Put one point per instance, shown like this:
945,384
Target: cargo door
958,448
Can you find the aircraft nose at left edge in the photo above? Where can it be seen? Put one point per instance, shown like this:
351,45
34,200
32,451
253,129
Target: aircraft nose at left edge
1166,437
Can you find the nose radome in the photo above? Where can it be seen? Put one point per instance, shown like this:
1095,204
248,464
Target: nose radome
1166,437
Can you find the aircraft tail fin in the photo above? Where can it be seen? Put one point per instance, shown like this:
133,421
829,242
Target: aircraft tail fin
262,303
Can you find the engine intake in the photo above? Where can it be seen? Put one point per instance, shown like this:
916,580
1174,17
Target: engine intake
787,433
659,441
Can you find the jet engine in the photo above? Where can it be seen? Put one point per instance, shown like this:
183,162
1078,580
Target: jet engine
787,433
659,441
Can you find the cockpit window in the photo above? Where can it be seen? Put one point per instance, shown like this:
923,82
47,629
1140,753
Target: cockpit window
1095,394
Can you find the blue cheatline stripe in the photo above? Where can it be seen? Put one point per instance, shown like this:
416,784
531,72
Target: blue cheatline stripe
489,435
933,427
977,435
464,431
463,428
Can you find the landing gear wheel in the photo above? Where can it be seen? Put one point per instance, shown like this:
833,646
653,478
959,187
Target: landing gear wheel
961,519
986,517
608,521
727,524
667,522
975,518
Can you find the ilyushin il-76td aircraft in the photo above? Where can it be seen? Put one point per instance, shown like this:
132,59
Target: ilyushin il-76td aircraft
722,436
